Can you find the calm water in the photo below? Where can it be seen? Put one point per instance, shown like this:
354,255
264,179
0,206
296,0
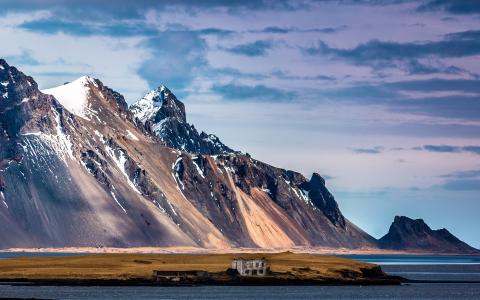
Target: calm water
451,268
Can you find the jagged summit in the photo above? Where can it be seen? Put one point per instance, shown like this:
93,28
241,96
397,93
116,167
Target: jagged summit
165,116
415,235
158,105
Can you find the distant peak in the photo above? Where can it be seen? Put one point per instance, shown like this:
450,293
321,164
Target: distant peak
404,219
162,88
415,234
159,104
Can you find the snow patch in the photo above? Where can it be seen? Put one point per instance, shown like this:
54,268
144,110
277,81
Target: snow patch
176,169
32,133
159,206
171,207
3,199
115,198
59,143
200,172
97,133
120,162
131,136
266,191
303,194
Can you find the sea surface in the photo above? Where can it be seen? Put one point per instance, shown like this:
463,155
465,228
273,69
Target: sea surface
459,276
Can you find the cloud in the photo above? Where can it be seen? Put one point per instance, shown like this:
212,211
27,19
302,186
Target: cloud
462,185
437,84
452,149
216,31
94,9
454,98
257,48
374,150
286,76
428,148
23,58
472,149
464,35
415,67
441,148
275,29
463,174
55,26
285,30
462,181
176,59
384,54
237,73
452,6
234,91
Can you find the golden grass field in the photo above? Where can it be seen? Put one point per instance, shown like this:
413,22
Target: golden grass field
141,266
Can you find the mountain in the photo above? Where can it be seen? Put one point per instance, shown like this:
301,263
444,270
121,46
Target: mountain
79,168
163,114
415,235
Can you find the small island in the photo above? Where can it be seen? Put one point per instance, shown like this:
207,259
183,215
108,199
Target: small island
193,269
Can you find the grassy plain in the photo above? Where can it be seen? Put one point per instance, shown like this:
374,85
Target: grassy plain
131,267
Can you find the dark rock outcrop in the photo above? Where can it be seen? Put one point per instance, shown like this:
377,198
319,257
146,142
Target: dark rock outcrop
416,235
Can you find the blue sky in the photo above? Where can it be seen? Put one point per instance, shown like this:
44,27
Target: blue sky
381,97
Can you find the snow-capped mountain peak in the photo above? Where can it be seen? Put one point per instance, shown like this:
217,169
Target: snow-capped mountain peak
165,115
74,95
149,105
159,104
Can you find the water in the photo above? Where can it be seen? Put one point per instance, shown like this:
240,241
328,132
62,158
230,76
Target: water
20,254
423,267
447,268
418,291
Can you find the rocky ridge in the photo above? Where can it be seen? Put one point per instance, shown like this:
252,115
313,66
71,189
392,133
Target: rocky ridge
163,114
415,235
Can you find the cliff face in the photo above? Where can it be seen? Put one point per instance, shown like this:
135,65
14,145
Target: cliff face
415,235
79,168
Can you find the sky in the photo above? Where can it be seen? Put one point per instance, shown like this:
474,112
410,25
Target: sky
379,97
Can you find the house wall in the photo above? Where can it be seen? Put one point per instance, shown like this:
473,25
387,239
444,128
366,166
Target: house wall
257,267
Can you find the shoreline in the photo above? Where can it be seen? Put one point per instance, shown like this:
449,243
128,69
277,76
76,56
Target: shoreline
271,282
193,250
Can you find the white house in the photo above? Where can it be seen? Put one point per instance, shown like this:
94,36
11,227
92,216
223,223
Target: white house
250,267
